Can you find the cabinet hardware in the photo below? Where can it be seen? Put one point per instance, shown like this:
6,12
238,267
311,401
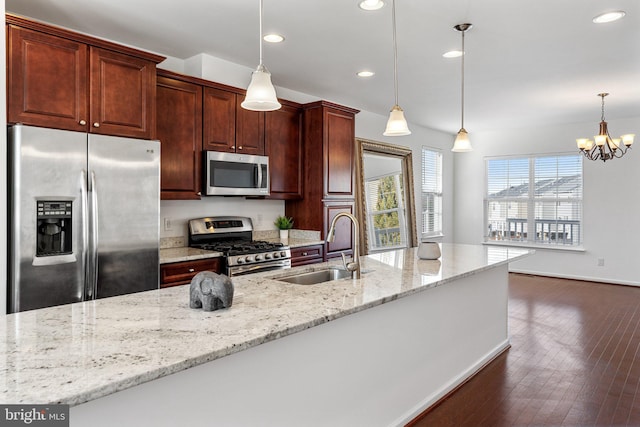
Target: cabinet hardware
304,254
233,147
83,122
96,125
240,147
191,270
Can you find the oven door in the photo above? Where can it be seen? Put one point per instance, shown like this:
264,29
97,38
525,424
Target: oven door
230,174
239,270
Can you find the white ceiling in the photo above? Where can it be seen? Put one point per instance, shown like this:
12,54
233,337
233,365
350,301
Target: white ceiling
528,62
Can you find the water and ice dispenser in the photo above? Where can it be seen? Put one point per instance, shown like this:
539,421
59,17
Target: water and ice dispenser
54,227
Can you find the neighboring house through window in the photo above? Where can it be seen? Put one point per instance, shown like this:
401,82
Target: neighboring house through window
535,200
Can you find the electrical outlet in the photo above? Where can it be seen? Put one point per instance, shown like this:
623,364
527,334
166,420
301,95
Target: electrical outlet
600,262
167,224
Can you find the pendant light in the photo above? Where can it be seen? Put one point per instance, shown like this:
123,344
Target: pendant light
261,95
462,143
397,124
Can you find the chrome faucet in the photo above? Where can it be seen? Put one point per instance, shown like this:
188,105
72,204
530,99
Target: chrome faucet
354,266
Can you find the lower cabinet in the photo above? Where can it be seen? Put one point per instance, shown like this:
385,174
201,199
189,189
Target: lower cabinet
306,255
343,242
181,273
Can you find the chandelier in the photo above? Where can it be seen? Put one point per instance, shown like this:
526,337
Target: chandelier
605,147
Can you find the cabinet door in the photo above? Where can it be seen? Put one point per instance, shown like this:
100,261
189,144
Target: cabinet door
123,90
219,120
344,229
339,147
47,80
249,130
283,145
179,129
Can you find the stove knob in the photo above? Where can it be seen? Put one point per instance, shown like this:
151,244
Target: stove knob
283,254
276,254
239,260
267,256
258,257
248,259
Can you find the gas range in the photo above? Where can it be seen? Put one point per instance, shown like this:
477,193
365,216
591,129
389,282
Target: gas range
232,236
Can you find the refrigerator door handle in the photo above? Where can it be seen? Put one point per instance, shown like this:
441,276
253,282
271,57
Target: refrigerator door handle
92,284
85,235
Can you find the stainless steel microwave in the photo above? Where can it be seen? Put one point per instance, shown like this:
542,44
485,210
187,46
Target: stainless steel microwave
231,174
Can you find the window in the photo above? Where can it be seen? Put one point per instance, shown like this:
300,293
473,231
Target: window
385,207
534,200
431,192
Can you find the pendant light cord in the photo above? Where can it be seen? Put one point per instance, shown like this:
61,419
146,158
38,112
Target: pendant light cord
462,89
602,95
395,51
260,35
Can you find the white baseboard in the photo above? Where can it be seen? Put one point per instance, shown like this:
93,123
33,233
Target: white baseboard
575,277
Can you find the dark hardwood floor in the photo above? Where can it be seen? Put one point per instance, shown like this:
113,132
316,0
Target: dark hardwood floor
574,361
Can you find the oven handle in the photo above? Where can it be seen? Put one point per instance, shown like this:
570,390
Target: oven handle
238,270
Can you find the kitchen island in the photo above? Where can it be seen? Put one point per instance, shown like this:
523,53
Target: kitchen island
373,351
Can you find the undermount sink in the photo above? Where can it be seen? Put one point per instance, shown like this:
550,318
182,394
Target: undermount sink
314,277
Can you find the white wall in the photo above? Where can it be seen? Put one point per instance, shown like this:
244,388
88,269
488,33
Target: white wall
263,212
610,206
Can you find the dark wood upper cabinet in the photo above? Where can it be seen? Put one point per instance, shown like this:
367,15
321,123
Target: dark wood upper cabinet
35,61
123,94
219,120
249,130
60,79
179,129
339,147
230,128
223,126
283,145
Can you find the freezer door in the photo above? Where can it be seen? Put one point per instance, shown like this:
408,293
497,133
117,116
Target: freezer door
124,189
46,250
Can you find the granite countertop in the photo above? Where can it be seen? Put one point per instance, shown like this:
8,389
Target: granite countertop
79,352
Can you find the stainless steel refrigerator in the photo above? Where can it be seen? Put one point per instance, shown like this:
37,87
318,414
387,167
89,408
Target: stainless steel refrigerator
83,216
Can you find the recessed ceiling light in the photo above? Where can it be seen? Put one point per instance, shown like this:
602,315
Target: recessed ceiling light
273,38
453,54
371,4
609,17
365,73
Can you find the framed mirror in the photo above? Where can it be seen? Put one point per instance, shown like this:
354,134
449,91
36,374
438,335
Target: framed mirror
385,204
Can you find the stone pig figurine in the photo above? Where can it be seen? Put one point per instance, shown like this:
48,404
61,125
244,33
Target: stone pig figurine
210,291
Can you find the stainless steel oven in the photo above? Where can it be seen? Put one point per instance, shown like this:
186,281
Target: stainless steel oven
232,236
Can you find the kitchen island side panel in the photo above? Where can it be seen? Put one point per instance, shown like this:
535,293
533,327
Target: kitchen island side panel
381,366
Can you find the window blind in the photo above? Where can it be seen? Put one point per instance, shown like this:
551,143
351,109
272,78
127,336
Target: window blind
535,199
431,192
